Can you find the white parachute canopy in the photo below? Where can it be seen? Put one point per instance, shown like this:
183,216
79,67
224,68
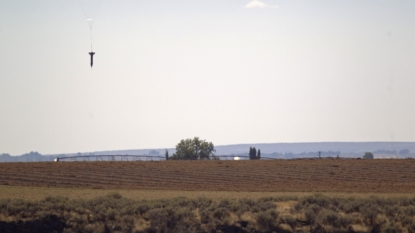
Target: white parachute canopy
90,9
90,22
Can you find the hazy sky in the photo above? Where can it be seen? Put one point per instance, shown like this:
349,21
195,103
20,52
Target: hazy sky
236,71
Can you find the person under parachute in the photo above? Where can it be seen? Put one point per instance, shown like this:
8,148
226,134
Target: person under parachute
92,58
92,53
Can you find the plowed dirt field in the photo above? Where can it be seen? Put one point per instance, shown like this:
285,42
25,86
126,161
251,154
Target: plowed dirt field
307,175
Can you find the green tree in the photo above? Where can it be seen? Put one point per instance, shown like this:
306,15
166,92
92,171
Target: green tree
368,155
167,154
194,149
250,152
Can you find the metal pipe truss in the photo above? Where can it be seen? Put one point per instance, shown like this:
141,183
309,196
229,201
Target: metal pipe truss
114,158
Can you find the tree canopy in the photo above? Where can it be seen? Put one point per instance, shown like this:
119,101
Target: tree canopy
368,155
194,149
253,154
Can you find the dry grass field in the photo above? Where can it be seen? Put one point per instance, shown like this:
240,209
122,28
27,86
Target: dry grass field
306,175
39,193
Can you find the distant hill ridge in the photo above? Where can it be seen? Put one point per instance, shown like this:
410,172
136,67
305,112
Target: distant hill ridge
278,150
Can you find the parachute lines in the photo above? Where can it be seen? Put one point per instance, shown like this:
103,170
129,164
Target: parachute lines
90,12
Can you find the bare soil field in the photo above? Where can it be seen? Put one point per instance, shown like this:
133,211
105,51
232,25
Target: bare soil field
306,175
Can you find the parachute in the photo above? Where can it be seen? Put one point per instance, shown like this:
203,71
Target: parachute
90,9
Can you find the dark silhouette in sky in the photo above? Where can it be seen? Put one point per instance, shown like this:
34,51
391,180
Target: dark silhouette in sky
92,58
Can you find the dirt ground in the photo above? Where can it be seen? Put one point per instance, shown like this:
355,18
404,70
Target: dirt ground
305,175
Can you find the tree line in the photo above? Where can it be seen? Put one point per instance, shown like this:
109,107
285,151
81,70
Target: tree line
254,154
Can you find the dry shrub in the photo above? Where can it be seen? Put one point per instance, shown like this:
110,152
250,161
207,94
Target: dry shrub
202,202
345,221
410,211
347,207
141,208
328,217
114,195
247,201
181,202
266,199
285,198
391,211
94,228
110,214
241,209
318,199
204,215
127,220
391,228
141,225
265,221
298,207
314,208
264,206
158,218
289,220
310,216
369,214
225,203
411,228
255,209
182,220
221,213
127,211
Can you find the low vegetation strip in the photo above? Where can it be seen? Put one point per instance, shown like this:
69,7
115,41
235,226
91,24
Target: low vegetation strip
307,175
115,213
39,193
